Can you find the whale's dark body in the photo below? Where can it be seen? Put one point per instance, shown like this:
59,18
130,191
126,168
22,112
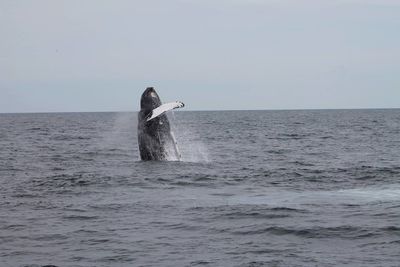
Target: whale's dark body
156,141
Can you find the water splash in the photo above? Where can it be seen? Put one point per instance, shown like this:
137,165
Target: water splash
191,147
122,135
172,150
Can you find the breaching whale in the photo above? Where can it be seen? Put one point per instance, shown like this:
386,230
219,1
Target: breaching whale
155,138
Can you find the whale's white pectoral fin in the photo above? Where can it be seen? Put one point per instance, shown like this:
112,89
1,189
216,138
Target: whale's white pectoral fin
164,108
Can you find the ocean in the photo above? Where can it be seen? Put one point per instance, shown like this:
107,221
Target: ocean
254,188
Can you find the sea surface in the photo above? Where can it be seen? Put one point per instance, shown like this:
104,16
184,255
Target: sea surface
255,188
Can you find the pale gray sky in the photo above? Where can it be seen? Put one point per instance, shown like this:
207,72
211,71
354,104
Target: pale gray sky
97,55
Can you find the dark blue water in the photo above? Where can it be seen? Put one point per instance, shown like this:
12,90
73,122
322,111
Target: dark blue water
256,188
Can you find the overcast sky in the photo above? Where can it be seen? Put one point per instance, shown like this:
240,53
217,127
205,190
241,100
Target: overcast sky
97,55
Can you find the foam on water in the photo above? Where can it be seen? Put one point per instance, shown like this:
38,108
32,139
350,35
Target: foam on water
371,194
234,195
355,196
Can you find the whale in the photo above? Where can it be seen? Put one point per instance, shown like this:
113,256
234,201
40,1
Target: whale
155,137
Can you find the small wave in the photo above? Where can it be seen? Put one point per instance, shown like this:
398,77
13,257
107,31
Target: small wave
301,163
62,183
69,138
80,217
392,229
107,207
67,180
252,215
248,212
203,178
277,151
26,195
201,263
288,209
85,231
48,237
345,232
96,241
13,227
182,226
190,183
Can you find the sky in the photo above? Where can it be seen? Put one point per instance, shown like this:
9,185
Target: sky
94,55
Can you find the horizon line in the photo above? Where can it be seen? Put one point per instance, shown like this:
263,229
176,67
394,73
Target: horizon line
200,110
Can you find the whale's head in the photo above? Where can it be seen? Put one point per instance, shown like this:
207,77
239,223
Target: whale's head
150,99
